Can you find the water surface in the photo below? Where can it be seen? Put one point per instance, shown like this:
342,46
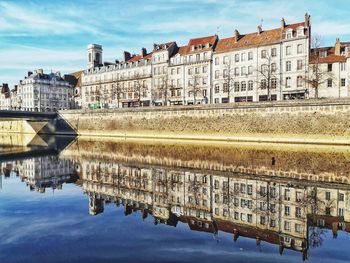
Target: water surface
127,201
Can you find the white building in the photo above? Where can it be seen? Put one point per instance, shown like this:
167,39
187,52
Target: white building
43,92
274,64
5,97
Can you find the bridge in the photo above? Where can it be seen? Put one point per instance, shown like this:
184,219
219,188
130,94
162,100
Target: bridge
28,115
30,122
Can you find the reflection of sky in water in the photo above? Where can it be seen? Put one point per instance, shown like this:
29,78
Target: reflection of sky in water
56,227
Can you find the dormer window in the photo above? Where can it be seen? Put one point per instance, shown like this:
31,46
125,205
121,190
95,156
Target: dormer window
192,48
300,31
289,34
323,54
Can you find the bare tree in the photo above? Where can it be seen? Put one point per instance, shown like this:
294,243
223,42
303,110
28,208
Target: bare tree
116,92
139,86
315,76
194,86
228,76
163,89
104,96
268,75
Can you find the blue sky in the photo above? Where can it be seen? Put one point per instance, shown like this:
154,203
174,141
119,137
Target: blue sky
54,34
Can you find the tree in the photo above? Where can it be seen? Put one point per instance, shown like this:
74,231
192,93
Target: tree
162,89
194,86
315,76
116,91
139,86
268,75
105,96
228,79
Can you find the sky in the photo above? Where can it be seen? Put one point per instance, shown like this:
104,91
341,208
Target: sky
54,34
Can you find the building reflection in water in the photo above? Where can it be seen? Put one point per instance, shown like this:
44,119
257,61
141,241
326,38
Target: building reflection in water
40,173
284,198
259,202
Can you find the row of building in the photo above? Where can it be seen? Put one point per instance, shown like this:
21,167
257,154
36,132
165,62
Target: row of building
277,64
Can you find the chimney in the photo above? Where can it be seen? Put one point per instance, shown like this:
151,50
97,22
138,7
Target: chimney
40,71
30,73
259,30
127,56
283,24
307,20
337,47
237,35
143,52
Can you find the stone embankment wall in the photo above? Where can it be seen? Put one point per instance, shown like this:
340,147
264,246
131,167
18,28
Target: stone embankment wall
286,121
302,121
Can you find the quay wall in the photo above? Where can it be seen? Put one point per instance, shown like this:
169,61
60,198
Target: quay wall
321,122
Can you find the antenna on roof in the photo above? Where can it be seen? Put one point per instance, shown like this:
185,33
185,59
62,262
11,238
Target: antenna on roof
261,22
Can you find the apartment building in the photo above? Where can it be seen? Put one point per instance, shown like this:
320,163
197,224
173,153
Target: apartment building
5,97
39,91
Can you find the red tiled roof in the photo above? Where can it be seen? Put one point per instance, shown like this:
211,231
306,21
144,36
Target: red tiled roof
295,26
182,50
253,39
139,57
330,58
201,40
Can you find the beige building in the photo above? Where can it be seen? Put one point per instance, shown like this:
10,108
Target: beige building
39,91
272,64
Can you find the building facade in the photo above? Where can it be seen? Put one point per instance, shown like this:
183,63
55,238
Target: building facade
39,91
275,64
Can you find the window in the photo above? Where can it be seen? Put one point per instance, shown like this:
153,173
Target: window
225,59
250,70
262,220
300,49
287,194
237,58
343,66
299,196
341,197
263,53
273,52
243,86
243,71
328,211
263,84
330,67
205,55
299,64
243,57
273,67
286,210
250,56
217,88
225,87
225,73
205,69
189,71
250,218
329,83
236,86
236,71
286,226
298,212
288,65
217,73
216,61
288,50
340,211
250,85
328,196
273,83
242,203
249,189
288,82
298,228
299,81
236,215
272,223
